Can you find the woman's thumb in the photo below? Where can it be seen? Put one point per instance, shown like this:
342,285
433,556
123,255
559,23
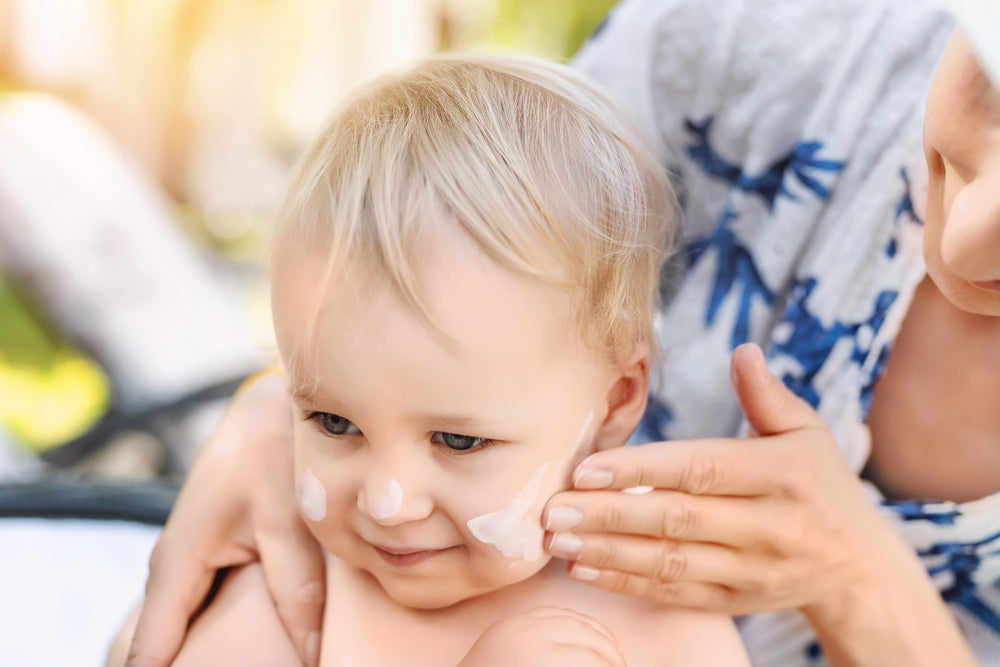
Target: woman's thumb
770,407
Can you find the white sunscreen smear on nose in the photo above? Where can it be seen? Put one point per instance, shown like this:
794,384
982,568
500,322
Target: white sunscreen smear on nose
388,504
312,496
509,529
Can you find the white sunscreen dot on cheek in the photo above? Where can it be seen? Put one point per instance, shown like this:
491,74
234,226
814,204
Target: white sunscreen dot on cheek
389,503
510,529
312,496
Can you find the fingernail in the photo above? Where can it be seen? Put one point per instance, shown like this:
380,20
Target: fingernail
593,478
566,545
563,518
312,648
584,572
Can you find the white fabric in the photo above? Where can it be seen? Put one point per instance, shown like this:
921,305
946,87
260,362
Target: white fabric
66,587
793,128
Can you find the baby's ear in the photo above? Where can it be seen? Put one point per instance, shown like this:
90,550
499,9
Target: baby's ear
627,399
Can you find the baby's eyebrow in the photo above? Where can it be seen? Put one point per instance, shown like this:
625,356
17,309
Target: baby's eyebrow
460,424
301,393
452,421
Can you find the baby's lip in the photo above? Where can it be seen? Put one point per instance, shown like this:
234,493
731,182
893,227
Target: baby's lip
404,549
404,557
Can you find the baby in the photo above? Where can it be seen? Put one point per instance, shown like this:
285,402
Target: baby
463,282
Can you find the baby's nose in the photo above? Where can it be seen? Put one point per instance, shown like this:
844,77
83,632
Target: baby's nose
387,500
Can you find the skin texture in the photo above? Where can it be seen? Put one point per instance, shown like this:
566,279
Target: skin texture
868,599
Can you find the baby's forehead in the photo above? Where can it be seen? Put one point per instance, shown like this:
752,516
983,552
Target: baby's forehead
458,300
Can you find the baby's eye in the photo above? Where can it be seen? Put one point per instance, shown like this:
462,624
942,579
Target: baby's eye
334,424
458,442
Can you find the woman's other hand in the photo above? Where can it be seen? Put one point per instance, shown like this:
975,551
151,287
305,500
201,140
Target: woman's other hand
236,507
545,637
773,521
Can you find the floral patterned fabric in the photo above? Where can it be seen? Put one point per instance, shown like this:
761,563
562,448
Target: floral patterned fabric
793,129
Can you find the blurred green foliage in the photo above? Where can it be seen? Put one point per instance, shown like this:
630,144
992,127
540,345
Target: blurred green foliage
552,28
49,392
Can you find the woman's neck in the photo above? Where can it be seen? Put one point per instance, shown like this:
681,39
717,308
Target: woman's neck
934,423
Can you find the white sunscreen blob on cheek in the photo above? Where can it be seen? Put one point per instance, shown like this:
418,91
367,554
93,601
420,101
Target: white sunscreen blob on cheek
312,496
510,529
389,503
514,529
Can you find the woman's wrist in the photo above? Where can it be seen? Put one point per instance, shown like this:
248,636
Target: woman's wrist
889,614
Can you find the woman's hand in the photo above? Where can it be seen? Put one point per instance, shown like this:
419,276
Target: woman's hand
773,521
237,506
545,637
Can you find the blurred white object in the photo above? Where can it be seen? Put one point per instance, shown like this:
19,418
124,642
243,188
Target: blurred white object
68,586
214,97
97,242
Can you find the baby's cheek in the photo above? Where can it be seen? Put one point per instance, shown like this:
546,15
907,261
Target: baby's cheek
312,496
320,505
514,529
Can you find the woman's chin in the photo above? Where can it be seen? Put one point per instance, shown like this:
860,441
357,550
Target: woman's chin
973,297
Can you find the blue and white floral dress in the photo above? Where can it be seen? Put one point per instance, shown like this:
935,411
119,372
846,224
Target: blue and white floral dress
793,128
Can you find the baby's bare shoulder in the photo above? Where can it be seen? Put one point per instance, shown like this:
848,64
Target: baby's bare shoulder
240,627
657,635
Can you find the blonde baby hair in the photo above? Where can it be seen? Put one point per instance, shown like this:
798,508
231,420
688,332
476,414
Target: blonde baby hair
524,155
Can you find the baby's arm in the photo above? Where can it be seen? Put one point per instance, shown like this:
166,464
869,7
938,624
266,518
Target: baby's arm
240,627
651,634
648,635
545,636
692,639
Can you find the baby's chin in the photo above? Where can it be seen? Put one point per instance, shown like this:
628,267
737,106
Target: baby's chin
439,593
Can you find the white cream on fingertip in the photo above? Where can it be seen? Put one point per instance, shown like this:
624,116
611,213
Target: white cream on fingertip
312,496
637,490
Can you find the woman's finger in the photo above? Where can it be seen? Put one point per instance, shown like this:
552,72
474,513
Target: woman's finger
734,521
175,590
719,466
713,466
686,594
293,568
663,560
768,404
